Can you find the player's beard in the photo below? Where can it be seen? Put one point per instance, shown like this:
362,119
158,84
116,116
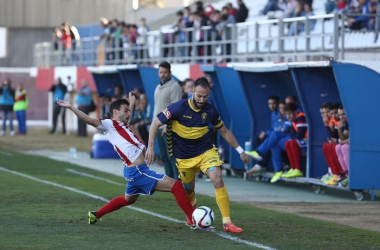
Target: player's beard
196,105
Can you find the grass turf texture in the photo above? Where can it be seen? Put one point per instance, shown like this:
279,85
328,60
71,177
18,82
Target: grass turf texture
40,216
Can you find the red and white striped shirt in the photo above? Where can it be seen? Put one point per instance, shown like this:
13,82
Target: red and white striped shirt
124,141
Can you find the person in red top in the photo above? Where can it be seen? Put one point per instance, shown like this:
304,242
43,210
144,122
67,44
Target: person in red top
232,9
297,145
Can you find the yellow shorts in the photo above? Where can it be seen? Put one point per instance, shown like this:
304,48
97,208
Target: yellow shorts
188,168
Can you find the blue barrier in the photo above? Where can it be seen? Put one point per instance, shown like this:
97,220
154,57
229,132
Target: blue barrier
105,81
259,84
359,89
228,97
315,85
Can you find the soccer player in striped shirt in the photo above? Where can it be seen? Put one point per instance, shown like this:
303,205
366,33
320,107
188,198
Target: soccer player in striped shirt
140,179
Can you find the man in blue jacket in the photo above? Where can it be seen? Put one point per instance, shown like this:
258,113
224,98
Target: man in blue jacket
6,105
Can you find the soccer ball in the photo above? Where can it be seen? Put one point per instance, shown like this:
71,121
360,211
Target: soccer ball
203,217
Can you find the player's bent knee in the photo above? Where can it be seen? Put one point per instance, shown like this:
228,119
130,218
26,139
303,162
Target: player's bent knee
188,188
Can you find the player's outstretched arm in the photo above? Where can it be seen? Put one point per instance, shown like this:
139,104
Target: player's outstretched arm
230,138
85,118
149,155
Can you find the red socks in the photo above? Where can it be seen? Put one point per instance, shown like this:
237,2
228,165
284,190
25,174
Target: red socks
332,158
182,200
115,204
294,154
177,190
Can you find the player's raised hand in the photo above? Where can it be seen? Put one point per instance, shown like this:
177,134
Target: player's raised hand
149,155
132,98
63,103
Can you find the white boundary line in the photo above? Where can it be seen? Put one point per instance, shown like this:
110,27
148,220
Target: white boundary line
220,234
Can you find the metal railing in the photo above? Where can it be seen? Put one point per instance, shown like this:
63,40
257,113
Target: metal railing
302,38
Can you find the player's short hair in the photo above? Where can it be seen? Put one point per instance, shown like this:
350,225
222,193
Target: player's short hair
294,99
275,98
165,65
202,81
326,105
290,107
116,105
334,106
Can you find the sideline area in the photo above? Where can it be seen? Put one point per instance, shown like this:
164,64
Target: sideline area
239,190
335,206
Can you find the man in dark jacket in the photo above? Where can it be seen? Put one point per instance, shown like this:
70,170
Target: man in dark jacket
59,90
242,13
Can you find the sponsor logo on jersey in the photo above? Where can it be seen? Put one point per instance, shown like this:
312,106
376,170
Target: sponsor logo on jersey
186,116
167,113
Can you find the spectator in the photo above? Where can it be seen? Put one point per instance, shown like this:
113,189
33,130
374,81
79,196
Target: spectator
230,18
186,14
56,37
342,149
20,106
272,5
6,104
105,102
273,102
242,13
83,100
267,140
360,22
66,43
289,9
179,30
117,37
119,92
141,41
293,99
232,9
330,120
142,127
132,40
166,92
74,38
298,143
224,33
300,26
59,91
188,88
330,6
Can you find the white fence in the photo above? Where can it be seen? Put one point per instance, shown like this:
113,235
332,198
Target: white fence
323,36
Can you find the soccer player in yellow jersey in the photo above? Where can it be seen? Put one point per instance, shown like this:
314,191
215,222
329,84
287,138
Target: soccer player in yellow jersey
189,142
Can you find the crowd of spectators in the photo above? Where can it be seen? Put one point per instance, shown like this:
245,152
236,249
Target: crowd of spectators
127,43
65,39
299,8
348,7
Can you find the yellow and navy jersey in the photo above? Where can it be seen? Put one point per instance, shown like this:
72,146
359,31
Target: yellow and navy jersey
187,128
